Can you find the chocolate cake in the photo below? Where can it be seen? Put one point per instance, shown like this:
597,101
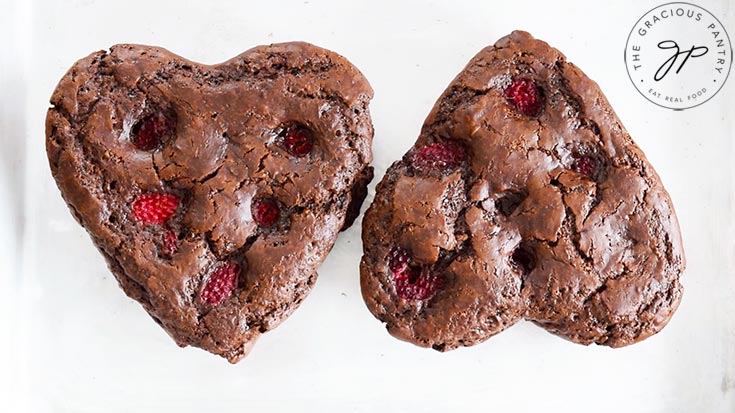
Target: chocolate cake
523,198
213,192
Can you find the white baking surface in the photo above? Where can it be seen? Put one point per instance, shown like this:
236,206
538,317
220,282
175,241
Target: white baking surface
73,342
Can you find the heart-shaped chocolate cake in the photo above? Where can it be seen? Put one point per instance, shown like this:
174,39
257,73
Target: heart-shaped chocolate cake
214,192
524,197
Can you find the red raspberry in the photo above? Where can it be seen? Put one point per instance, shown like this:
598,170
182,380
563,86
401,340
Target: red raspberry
586,165
297,139
220,284
153,208
265,212
526,96
170,243
149,132
399,260
418,284
412,282
439,156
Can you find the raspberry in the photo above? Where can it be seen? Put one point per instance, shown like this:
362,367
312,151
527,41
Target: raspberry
526,96
418,285
586,165
297,139
265,212
220,284
524,258
439,156
153,208
148,133
399,260
170,243
412,282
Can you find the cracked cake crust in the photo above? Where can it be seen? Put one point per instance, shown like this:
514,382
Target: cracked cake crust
223,155
555,217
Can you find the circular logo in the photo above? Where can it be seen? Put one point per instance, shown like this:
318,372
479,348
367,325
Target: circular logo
678,55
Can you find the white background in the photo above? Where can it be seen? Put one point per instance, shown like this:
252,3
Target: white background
73,342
